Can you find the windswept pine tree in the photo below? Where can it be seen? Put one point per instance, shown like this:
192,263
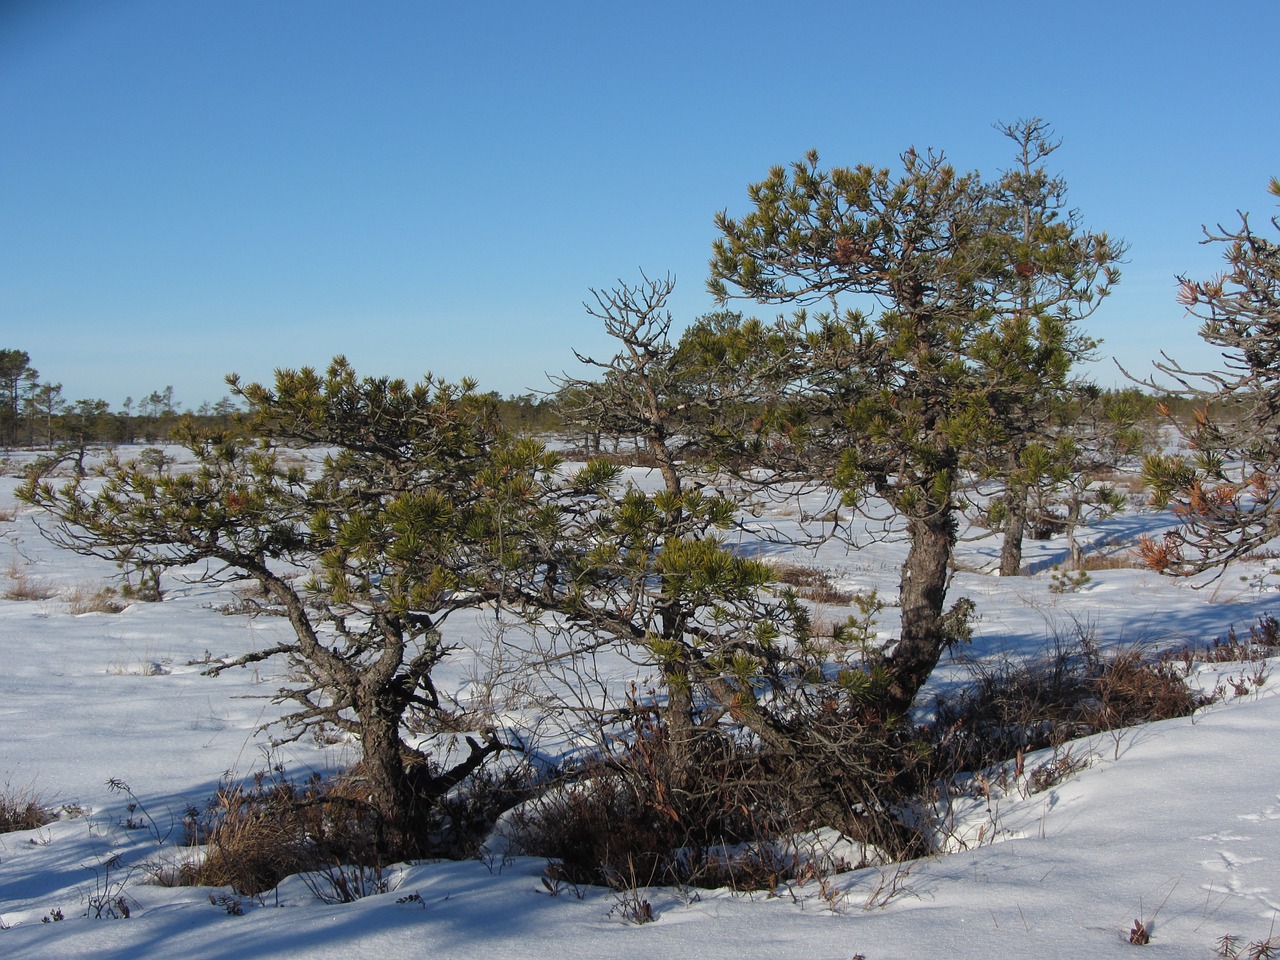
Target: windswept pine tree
952,305
368,554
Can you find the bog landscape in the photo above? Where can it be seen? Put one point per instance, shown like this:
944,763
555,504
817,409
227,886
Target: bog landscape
869,630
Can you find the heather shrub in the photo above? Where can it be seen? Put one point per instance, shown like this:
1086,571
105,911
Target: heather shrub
1075,689
257,832
639,816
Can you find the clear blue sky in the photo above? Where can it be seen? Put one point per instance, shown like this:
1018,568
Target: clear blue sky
192,187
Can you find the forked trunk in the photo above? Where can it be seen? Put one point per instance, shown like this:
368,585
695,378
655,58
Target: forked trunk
403,788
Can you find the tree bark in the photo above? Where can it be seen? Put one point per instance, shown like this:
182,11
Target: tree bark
681,731
922,593
391,792
1015,529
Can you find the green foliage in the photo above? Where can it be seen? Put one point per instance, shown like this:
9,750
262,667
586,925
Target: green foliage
1068,581
1165,474
981,284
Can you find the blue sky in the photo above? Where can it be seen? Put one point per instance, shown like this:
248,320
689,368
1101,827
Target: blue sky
193,187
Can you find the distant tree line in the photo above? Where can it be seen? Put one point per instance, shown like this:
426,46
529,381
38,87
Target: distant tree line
36,415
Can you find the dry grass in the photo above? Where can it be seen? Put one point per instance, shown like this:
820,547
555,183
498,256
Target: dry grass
1112,561
257,833
88,598
1129,483
251,846
23,586
252,603
142,668
8,514
22,810
622,457
1062,765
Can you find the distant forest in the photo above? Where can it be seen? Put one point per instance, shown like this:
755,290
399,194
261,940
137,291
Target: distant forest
35,413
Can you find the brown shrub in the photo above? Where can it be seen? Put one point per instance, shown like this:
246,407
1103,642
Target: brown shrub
727,816
597,831
643,815
601,830
1129,688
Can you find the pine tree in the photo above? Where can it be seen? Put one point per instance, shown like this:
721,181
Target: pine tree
14,365
1047,273
943,290
399,527
733,648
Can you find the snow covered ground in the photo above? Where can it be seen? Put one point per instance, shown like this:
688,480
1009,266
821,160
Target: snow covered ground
1174,824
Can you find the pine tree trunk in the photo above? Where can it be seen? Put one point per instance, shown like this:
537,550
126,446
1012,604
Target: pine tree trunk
1015,529
391,791
922,593
1075,554
678,716
681,730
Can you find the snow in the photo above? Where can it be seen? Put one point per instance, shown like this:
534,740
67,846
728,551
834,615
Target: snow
1175,824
